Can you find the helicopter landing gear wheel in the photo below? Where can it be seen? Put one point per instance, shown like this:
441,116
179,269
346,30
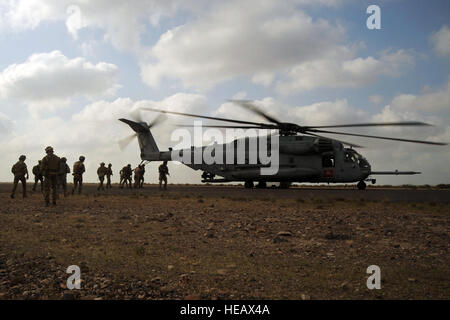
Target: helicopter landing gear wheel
361,185
248,184
261,185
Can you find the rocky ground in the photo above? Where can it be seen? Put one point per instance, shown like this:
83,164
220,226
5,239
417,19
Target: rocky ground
209,242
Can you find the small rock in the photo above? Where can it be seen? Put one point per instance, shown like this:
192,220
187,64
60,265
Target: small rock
345,285
304,296
156,280
221,272
209,234
170,267
284,234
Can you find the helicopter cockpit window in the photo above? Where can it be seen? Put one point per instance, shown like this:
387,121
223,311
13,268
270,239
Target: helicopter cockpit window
362,162
328,160
349,157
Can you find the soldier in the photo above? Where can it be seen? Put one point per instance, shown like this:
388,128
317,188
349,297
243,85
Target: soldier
126,176
20,171
122,176
109,173
137,176
50,167
78,170
141,183
163,172
37,176
101,172
62,176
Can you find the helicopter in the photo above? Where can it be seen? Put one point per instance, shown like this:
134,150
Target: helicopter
304,154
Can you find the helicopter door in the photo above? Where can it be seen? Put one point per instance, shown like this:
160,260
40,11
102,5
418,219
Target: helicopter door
328,163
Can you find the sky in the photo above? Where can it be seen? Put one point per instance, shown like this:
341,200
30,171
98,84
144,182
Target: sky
70,69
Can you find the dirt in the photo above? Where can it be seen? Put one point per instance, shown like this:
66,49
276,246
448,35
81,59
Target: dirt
216,242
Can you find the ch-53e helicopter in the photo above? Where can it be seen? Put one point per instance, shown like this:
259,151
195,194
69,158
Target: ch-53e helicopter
304,155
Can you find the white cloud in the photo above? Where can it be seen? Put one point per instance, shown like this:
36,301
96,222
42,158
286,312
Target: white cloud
440,41
250,38
434,101
263,40
341,69
6,124
107,15
48,80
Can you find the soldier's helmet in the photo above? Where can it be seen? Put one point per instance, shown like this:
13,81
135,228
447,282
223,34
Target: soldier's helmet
82,158
109,164
22,158
48,149
102,164
63,159
165,162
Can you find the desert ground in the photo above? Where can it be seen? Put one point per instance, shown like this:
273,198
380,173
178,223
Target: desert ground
226,242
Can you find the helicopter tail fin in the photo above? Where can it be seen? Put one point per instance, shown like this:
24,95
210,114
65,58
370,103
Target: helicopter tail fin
147,144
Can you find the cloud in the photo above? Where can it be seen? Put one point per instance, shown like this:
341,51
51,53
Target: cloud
6,125
440,41
107,15
434,101
340,69
250,38
48,80
270,42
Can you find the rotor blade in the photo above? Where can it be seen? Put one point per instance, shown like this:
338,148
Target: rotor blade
230,127
160,118
406,123
123,143
136,115
251,106
379,137
203,117
343,142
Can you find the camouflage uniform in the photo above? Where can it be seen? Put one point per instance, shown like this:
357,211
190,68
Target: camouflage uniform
121,175
126,176
20,171
109,173
163,172
137,176
50,167
62,176
101,172
141,183
78,170
37,176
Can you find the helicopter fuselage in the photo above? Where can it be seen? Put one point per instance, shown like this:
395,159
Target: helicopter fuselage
300,159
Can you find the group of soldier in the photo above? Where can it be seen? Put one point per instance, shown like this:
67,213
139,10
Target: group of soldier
51,172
